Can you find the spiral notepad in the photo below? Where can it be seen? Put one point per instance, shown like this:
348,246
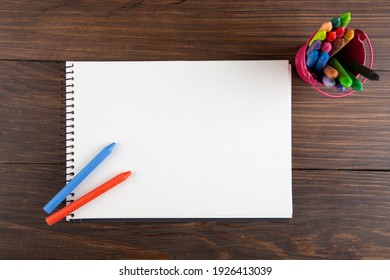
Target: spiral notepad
204,139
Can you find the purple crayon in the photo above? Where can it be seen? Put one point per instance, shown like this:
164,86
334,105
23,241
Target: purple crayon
316,45
328,82
340,88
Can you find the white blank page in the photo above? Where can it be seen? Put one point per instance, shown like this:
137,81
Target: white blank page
204,139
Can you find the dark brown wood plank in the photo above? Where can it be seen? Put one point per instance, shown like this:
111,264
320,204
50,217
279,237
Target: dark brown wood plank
347,133
31,121
175,30
337,215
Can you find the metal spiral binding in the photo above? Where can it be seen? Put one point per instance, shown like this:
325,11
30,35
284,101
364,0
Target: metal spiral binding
69,121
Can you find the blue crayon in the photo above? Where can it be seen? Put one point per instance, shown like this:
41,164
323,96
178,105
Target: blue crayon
65,191
312,58
316,45
321,61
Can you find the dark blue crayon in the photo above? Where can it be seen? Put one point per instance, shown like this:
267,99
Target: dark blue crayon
340,88
321,62
312,58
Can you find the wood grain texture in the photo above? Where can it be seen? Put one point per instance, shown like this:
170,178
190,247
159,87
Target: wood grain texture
349,133
175,30
337,215
341,151
31,112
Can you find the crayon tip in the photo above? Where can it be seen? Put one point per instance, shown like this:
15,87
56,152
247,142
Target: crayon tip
321,62
340,31
111,146
49,221
345,81
349,34
345,19
327,26
338,43
46,209
340,88
336,22
357,85
329,83
331,36
312,58
374,76
326,47
316,45
126,174
330,72
320,35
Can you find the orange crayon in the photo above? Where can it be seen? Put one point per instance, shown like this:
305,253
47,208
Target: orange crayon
55,217
327,26
321,33
330,72
348,35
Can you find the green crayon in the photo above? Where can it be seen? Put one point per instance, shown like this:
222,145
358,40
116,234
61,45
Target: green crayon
343,77
336,22
356,84
345,19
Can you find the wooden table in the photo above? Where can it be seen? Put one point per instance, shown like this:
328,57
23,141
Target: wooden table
341,148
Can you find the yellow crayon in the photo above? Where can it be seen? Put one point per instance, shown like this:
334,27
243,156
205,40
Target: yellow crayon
320,35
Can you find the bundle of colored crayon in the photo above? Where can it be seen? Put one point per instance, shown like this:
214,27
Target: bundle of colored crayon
335,72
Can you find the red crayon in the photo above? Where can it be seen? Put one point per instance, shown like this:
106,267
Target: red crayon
340,31
60,214
331,36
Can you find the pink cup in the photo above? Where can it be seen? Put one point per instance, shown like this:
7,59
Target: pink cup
354,49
